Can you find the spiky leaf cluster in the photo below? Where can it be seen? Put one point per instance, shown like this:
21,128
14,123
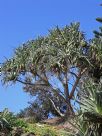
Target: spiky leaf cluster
62,47
89,119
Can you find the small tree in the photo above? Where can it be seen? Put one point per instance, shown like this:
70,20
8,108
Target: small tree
39,109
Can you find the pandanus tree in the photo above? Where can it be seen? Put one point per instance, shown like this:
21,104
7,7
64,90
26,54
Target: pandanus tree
52,65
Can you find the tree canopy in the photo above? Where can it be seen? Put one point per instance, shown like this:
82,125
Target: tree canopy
55,66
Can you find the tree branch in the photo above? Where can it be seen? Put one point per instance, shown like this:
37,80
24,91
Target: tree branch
28,83
73,74
76,82
66,89
58,111
57,91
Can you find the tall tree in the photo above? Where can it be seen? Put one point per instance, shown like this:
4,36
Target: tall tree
52,65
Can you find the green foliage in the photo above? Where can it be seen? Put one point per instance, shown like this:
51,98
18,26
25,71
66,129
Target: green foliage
60,45
6,120
20,123
89,119
12,126
96,51
41,130
99,19
12,119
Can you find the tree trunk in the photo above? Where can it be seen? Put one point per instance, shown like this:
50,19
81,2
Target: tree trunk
69,110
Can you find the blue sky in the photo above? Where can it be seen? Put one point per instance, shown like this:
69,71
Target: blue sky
22,20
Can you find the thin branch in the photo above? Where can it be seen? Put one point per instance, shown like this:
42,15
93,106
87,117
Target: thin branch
74,74
72,85
23,82
44,79
58,111
28,83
